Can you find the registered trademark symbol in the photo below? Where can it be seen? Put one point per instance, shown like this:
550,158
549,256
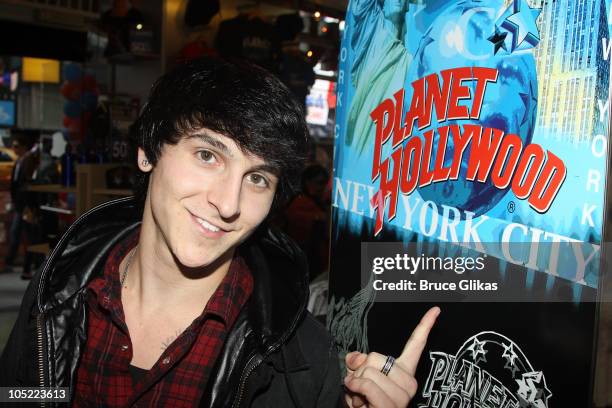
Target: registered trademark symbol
511,207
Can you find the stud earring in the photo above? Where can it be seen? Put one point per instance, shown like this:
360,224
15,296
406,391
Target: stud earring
145,163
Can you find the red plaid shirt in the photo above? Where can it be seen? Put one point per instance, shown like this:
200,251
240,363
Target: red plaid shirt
178,378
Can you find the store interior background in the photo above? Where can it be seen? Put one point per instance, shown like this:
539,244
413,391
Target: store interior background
75,73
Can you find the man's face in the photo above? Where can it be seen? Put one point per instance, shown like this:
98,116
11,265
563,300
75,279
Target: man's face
205,197
18,148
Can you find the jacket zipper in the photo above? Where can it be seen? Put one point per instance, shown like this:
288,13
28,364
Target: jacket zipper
252,365
245,375
41,360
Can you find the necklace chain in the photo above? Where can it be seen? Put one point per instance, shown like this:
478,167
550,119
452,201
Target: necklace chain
127,266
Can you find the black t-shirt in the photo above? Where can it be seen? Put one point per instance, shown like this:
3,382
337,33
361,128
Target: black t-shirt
137,373
297,74
248,38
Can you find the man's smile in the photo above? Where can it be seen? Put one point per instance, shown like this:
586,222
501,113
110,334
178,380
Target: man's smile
209,229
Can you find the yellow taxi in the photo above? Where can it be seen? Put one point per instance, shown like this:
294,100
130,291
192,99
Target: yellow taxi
7,161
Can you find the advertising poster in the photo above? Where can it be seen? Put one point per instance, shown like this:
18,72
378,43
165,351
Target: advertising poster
7,112
470,173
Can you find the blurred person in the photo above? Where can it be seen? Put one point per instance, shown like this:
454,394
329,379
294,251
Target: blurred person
183,295
47,171
21,175
45,225
307,218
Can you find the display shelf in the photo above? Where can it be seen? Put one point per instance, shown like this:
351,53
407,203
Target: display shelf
133,57
91,185
113,192
39,249
57,210
90,189
50,188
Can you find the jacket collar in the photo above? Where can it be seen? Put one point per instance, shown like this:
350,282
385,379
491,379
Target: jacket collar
279,268
280,291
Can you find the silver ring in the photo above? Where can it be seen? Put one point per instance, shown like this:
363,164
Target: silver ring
388,365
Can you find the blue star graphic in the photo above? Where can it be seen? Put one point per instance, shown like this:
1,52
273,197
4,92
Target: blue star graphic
498,39
522,25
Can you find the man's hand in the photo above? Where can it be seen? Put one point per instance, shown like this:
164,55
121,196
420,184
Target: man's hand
369,387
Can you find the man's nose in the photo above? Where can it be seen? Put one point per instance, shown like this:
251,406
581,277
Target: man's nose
225,197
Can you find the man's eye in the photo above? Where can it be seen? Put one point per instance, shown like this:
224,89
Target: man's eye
258,180
207,156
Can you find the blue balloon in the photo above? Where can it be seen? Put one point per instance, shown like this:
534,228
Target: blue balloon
72,109
457,38
72,72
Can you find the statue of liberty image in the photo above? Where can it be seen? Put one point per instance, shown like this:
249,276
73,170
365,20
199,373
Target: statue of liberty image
379,67
348,320
379,31
380,62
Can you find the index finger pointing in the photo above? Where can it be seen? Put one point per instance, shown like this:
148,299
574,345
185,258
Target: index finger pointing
418,339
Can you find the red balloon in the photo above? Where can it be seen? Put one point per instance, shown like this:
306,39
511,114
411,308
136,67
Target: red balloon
74,125
70,90
90,84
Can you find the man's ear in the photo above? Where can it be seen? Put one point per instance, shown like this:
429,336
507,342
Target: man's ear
143,163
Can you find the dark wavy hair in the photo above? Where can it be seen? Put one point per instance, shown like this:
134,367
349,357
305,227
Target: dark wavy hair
237,99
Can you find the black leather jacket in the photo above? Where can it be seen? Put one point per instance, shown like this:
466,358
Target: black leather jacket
276,354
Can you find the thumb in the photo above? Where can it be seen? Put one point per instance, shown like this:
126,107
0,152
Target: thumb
355,359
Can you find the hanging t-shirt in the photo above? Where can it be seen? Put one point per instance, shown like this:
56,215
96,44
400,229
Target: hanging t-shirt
248,38
297,74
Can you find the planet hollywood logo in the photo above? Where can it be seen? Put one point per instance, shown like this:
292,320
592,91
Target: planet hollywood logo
488,371
460,130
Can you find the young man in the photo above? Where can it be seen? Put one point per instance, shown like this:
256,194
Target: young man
185,297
